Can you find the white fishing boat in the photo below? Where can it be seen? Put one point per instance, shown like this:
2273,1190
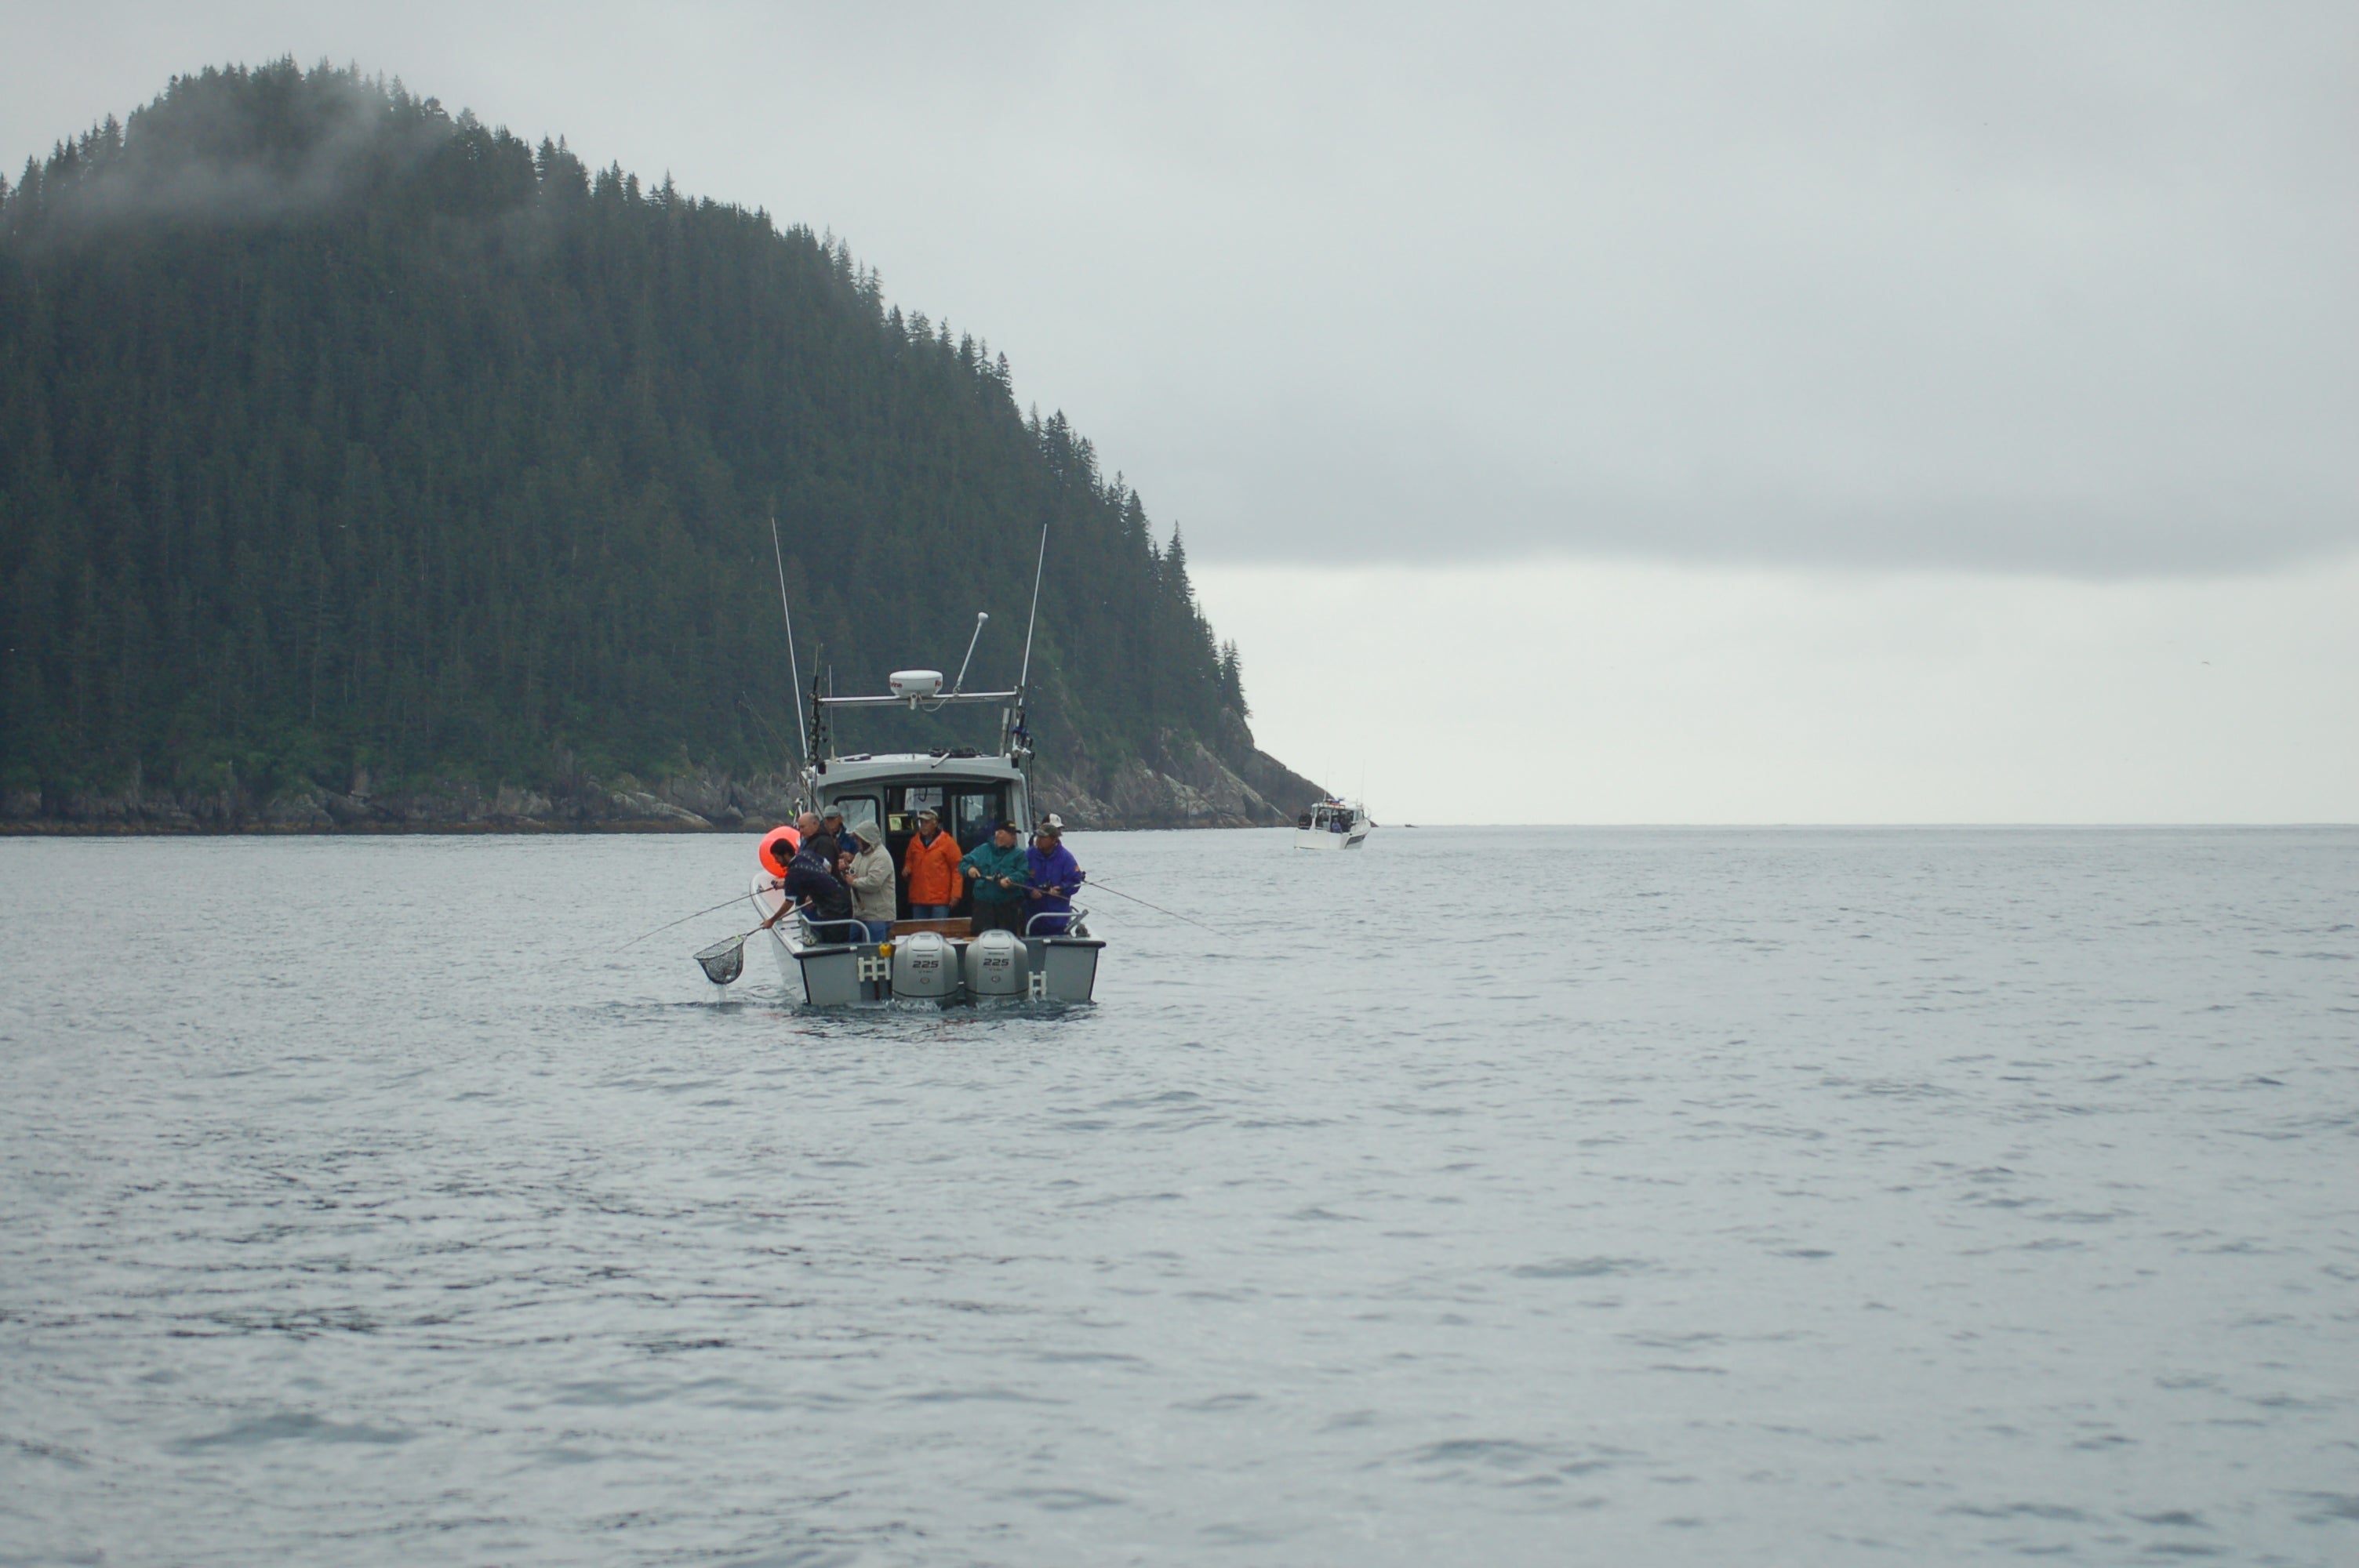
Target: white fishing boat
944,962
1333,825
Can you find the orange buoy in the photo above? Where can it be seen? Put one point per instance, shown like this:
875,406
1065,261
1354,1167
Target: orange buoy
778,846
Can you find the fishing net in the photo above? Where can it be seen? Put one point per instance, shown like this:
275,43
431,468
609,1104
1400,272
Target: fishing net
723,961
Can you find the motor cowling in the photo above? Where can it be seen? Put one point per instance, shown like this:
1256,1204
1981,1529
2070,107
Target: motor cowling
925,966
996,965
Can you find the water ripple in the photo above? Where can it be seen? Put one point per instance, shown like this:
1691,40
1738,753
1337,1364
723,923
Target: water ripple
1701,1197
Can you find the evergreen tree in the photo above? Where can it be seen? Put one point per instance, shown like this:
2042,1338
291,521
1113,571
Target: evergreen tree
1232,681
337,432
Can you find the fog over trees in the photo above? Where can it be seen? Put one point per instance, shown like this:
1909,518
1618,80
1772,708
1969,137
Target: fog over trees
337,432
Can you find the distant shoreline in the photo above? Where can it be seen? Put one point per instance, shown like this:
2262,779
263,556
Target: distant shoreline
469,829
351,830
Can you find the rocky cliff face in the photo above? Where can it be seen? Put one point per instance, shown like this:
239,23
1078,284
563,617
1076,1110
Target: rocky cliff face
692,803
1180,782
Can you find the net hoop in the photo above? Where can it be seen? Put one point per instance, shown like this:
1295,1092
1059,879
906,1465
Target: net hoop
723,961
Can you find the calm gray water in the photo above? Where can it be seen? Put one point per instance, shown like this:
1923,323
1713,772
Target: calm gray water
1488,1198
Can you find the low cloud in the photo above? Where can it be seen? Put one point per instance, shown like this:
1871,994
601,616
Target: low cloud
301,141
2007,286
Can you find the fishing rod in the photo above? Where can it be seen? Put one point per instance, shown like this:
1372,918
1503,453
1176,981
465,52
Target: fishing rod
1155,907
760,718
681,921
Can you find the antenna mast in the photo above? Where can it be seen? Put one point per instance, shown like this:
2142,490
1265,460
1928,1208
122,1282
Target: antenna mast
779,555
980,617
1024,681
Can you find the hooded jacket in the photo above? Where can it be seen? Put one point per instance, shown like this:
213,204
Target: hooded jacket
872,878
933,869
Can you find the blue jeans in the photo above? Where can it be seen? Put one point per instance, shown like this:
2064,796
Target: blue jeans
878,929
930,911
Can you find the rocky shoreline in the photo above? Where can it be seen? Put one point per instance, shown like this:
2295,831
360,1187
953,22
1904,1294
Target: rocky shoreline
1178,783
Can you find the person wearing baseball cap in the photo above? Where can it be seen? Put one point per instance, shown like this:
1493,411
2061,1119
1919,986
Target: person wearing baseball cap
1054,877
997,871
930,866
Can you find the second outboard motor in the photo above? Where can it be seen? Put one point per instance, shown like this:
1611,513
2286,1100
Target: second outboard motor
996,966
925,966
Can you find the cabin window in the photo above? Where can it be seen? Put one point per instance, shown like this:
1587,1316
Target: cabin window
975,812
856,809
969,810
904,801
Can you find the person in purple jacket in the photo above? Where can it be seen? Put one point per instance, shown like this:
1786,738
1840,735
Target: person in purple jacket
1055,878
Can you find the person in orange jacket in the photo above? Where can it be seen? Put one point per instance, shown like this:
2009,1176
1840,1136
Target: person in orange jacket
930,865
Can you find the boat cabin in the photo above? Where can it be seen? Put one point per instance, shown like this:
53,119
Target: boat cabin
1327,816
973,793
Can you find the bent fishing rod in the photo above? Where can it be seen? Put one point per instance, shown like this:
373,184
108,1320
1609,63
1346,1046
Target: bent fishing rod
1158,908
1092,882
681,921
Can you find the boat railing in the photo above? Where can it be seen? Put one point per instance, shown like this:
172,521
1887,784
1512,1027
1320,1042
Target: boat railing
858,929
809,931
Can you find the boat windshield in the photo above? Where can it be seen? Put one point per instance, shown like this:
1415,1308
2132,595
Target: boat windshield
969,810
856,809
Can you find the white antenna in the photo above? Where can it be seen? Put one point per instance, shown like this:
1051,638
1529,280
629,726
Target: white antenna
793,668
980,617
1024,680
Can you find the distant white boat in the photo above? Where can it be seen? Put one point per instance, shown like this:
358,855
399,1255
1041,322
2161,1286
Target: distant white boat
1333,825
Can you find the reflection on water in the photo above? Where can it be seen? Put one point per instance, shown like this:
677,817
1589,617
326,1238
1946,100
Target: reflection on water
1514,1196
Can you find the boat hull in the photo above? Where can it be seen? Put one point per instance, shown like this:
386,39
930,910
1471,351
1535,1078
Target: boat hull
1062,969
1321,838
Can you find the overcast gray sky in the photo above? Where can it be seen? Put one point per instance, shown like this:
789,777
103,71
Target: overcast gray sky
2038,288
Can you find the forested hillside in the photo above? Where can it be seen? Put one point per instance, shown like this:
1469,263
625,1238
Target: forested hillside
345,441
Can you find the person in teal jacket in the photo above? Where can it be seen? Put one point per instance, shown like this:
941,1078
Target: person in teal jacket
996,872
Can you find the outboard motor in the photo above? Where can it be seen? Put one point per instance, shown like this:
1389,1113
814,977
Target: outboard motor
925,966
996,965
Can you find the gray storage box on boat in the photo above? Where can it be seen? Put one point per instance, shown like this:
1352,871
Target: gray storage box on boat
1065,968
831,976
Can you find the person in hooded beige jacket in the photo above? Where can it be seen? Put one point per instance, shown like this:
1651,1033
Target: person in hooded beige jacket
871,881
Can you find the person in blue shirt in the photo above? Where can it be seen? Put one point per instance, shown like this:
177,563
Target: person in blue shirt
1055,878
